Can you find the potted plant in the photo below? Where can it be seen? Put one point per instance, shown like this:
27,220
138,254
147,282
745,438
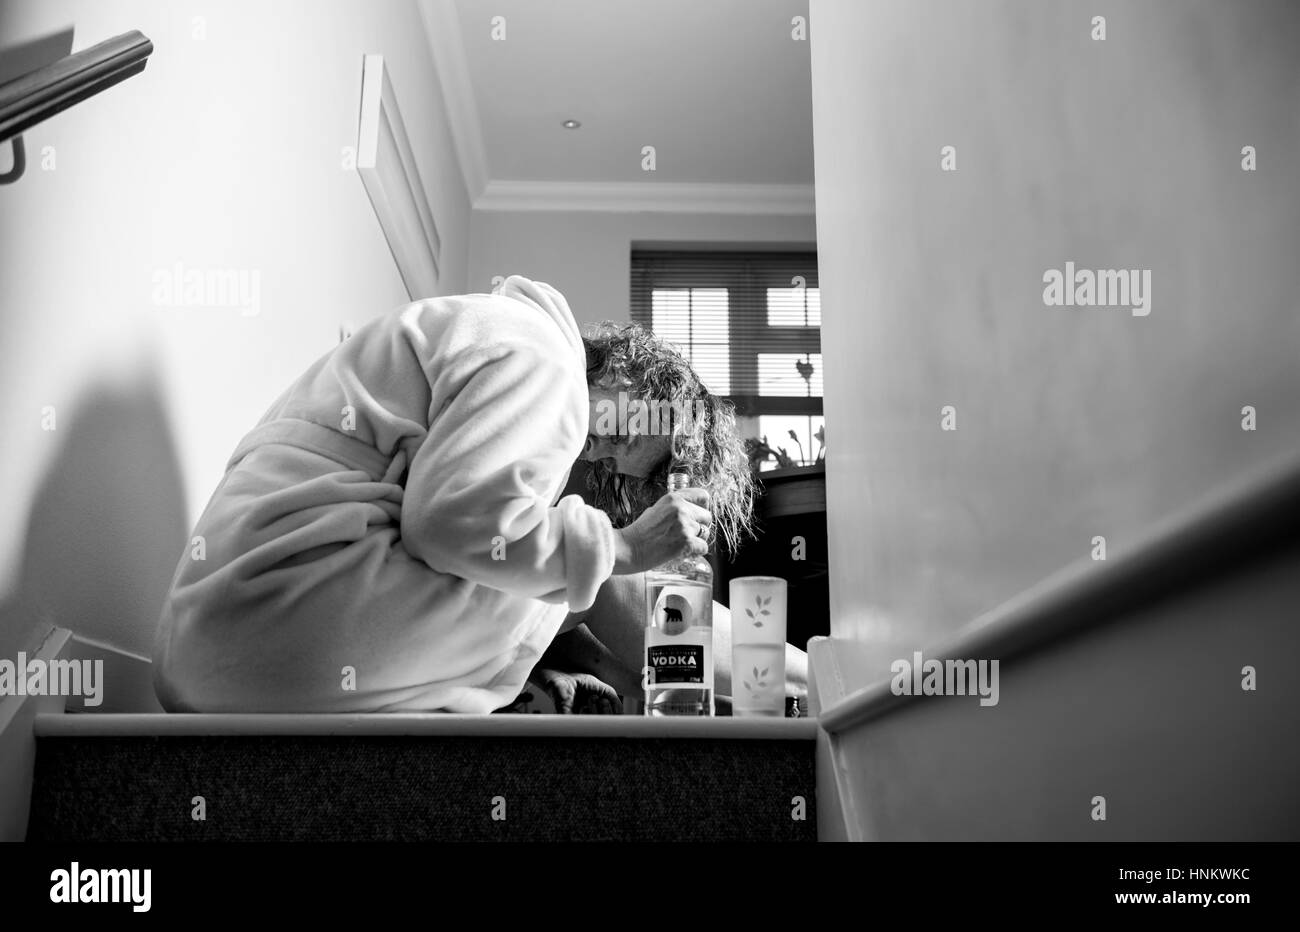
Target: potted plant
761,451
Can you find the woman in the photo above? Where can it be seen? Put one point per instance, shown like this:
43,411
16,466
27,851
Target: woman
392,535
600,653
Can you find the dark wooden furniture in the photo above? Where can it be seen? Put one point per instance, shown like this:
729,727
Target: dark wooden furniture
792,505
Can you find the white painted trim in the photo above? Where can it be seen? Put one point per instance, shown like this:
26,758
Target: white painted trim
836,815
387,166
825,688
442,27
127,684
417,723
1237,520
834,663
18,743
648,197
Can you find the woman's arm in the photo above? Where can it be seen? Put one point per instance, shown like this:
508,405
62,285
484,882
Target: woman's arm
508,416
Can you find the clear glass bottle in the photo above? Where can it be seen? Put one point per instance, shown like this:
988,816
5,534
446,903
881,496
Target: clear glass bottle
678,670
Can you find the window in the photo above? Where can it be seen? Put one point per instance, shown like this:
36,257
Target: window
750,323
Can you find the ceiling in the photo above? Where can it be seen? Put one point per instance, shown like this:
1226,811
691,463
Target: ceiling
718,87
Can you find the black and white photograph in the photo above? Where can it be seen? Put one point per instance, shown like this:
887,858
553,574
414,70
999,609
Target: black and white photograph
642,421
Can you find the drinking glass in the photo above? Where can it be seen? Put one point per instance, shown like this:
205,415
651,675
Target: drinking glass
758,646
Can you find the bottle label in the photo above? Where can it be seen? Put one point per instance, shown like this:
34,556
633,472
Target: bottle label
673,611
677,663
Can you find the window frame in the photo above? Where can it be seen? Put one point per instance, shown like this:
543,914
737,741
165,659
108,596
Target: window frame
746,276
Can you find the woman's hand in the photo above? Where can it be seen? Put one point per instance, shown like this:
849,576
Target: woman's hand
675,525
578,693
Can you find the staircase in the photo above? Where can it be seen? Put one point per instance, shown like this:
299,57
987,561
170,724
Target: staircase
124,777
1149,697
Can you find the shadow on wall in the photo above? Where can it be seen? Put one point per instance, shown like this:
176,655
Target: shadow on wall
107,525
22,57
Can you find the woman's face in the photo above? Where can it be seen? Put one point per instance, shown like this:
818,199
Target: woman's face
625,451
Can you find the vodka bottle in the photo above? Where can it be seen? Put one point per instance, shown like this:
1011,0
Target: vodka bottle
678,670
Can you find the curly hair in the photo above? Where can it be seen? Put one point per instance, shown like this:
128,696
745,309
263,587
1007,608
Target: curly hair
631,357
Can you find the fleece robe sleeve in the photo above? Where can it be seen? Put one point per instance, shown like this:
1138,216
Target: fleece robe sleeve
508,419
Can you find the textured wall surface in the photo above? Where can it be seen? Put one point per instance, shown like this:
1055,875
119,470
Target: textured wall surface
1071,422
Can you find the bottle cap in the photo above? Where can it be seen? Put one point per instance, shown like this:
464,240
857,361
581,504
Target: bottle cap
679,477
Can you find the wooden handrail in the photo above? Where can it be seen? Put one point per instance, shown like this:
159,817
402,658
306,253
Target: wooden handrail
40,94
1237,522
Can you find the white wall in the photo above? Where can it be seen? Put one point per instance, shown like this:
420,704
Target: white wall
587,255
226,153
1147,711
1072,421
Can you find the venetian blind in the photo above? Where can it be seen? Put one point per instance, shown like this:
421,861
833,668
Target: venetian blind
750,322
